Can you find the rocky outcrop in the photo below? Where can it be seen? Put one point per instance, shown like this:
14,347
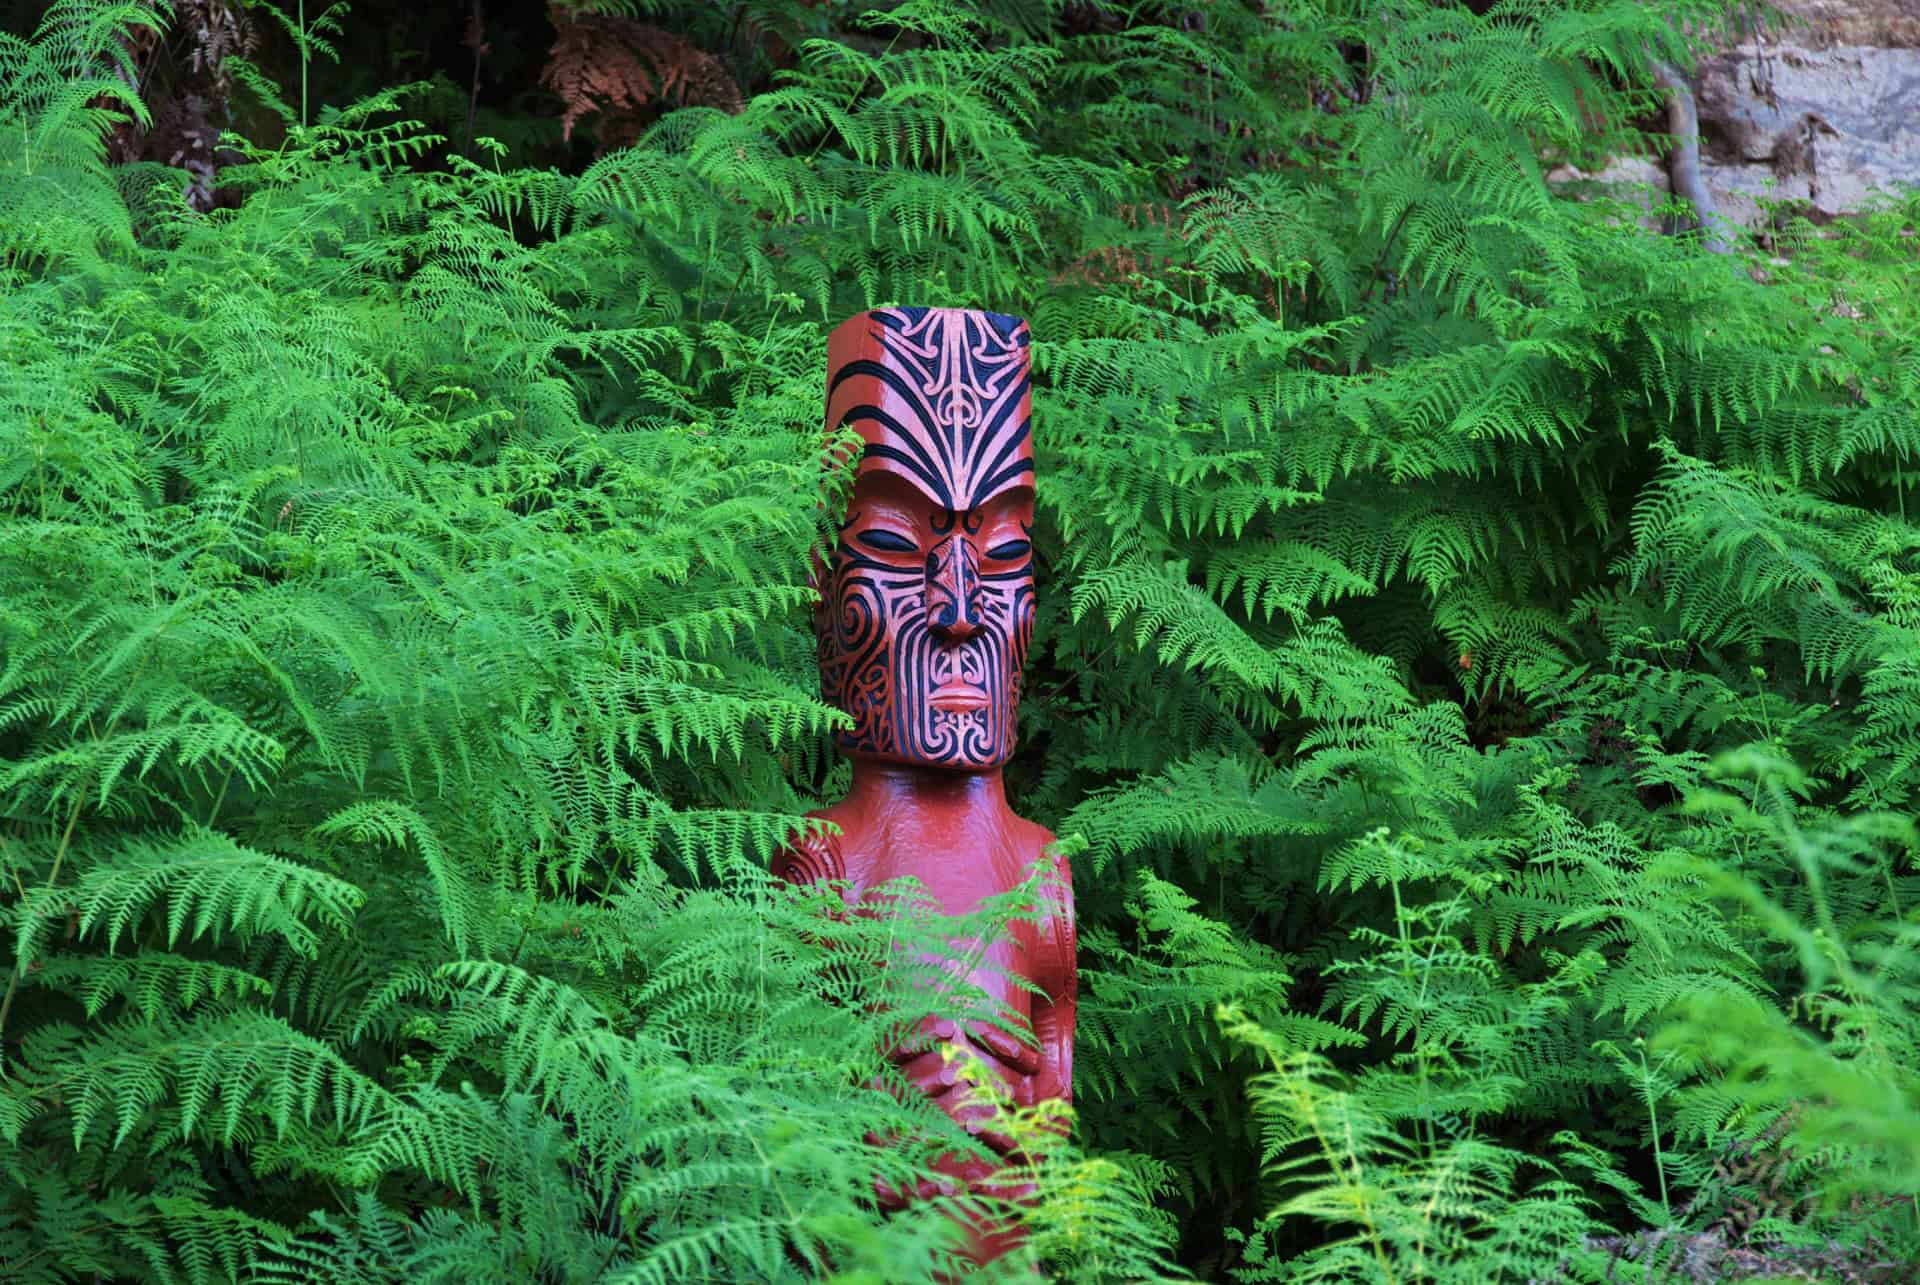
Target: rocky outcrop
1817,114
1819,126
1821,24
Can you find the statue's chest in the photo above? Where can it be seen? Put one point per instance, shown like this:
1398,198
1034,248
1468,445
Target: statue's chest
959,879
961,884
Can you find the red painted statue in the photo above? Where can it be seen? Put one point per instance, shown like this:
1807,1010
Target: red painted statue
926,609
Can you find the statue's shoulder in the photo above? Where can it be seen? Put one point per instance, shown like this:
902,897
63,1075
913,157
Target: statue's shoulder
812,853
1034,845
1033,841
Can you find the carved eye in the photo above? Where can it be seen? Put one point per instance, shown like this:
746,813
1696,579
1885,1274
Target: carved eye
886,541
1010,549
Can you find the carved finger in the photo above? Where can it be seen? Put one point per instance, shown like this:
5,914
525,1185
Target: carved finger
891,1198
928,1034
932,1073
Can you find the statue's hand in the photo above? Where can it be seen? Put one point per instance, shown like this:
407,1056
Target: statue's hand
975,1089
966,1078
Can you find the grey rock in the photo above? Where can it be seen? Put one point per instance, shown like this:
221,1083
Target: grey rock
1821,24
1822,126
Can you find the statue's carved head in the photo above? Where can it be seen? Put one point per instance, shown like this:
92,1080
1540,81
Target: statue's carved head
926,603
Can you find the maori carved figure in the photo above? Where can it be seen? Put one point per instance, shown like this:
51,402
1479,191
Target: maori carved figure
926,609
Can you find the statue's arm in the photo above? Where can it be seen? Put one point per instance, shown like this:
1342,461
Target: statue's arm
1058,977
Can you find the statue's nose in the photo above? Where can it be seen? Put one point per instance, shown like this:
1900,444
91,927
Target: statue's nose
953,585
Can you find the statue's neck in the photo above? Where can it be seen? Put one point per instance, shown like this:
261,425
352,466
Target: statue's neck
887,787
952,831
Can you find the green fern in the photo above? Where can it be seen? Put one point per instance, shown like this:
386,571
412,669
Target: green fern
406,671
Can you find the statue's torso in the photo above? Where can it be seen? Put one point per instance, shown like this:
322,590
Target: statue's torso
961,860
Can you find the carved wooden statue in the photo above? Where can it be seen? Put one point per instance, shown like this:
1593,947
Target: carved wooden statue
926,609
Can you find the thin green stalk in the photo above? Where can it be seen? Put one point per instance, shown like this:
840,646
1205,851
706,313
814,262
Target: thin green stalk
302,19
1653,1115
59,856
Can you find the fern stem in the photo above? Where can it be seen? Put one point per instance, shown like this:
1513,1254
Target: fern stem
13,982
1305,1108
1653,1115
19,887
214,812
1425,1123
302,19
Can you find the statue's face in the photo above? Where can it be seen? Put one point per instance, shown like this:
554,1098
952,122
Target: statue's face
927,602
927,615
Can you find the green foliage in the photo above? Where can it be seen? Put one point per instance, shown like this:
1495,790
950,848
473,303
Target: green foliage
1475,674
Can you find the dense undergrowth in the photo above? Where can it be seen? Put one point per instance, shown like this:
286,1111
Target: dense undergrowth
1478,672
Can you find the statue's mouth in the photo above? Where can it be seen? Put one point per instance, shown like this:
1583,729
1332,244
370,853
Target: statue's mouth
958,698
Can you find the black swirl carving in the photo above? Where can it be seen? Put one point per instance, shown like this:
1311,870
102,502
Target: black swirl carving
928,607
891,642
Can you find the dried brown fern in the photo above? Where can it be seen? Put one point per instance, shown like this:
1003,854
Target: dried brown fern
1110,264
182,72
623,71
